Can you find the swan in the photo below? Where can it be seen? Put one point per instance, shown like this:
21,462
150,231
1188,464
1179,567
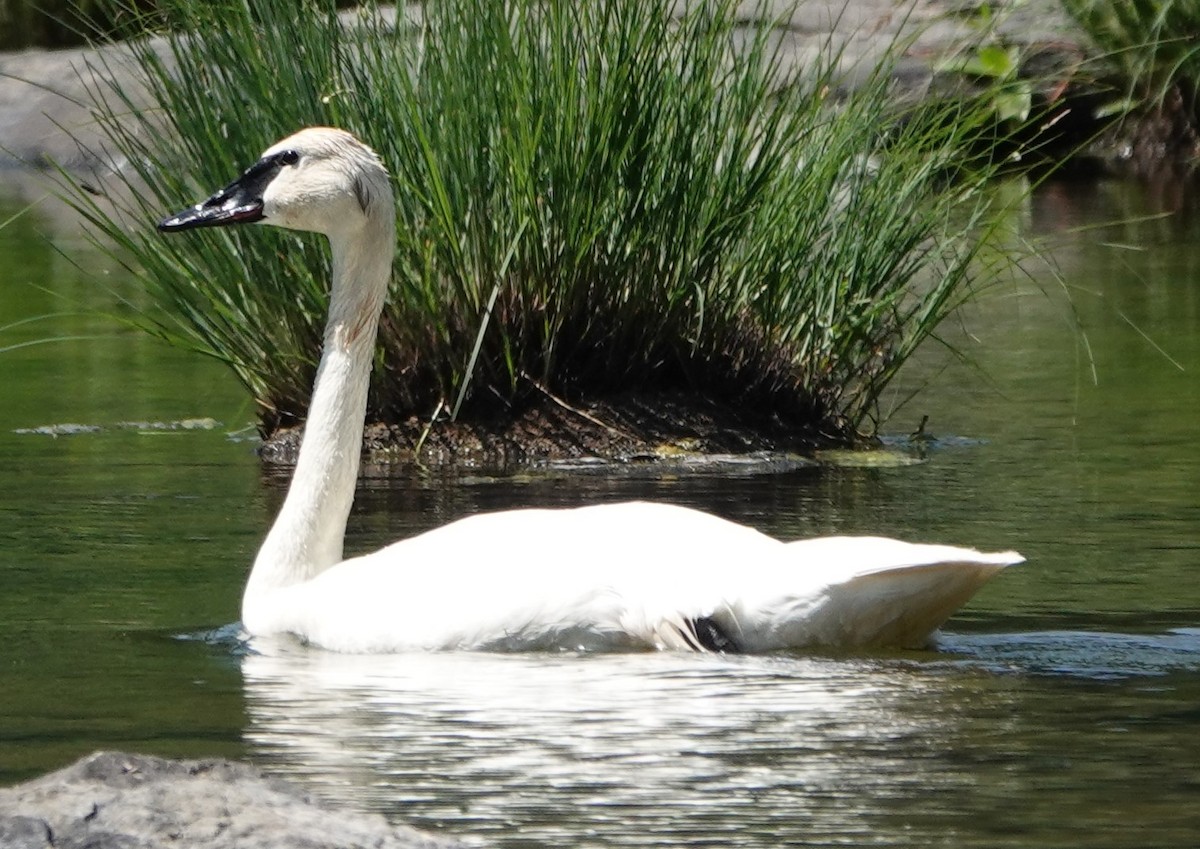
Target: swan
611,577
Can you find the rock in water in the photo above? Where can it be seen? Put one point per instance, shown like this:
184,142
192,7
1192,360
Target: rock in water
113,800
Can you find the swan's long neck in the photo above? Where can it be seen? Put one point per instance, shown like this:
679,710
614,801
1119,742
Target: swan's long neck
307,535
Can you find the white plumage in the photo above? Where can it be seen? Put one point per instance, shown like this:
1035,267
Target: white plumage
633,575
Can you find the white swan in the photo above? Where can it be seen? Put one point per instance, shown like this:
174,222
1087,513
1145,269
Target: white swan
616,576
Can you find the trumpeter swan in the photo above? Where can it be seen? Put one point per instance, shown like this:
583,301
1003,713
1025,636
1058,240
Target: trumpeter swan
614,576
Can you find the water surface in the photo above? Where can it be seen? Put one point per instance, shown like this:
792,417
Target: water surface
1061,710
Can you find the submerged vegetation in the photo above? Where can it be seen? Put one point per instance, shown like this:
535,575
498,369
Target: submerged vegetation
594,199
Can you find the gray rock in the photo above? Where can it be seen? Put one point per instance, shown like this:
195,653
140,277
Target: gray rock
24,833
45,98
113,800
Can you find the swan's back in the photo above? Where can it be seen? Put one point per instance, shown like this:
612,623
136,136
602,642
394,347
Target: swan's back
629,576
601,577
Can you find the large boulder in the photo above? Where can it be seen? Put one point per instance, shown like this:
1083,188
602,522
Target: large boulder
113,800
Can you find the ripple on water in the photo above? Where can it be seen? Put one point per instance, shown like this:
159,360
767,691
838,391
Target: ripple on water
1083,654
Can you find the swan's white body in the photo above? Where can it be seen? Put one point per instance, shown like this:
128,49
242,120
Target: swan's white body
618,576
623,576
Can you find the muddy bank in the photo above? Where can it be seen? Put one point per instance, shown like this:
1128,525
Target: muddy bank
630,428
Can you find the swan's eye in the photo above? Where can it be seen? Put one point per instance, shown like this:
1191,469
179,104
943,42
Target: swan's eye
289,157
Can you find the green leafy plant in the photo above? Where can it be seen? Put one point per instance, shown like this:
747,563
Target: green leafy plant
593,198
993,65
1010,97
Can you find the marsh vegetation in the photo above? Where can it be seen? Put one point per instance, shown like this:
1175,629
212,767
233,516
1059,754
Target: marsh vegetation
597,202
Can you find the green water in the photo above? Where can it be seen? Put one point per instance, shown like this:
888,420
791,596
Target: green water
1062,710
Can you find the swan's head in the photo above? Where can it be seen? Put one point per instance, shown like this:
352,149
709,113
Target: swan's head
320,179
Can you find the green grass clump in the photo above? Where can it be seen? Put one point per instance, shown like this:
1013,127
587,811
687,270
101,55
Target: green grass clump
621,199
1155,44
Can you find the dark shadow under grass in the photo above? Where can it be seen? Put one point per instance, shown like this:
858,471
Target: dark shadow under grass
633,427
604,208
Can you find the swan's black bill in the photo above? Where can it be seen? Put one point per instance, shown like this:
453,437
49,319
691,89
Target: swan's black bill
234,204
209,214
241,202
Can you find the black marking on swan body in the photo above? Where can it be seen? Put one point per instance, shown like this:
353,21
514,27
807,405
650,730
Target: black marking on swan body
362,194
705,634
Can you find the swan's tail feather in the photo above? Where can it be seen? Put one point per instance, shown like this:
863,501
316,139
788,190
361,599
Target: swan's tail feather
899,605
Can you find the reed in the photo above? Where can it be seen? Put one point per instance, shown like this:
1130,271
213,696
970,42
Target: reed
593,198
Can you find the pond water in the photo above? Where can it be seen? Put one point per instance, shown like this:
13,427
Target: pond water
1063,708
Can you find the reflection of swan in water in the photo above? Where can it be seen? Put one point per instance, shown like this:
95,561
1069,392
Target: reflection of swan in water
674,749
642,749
631,575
